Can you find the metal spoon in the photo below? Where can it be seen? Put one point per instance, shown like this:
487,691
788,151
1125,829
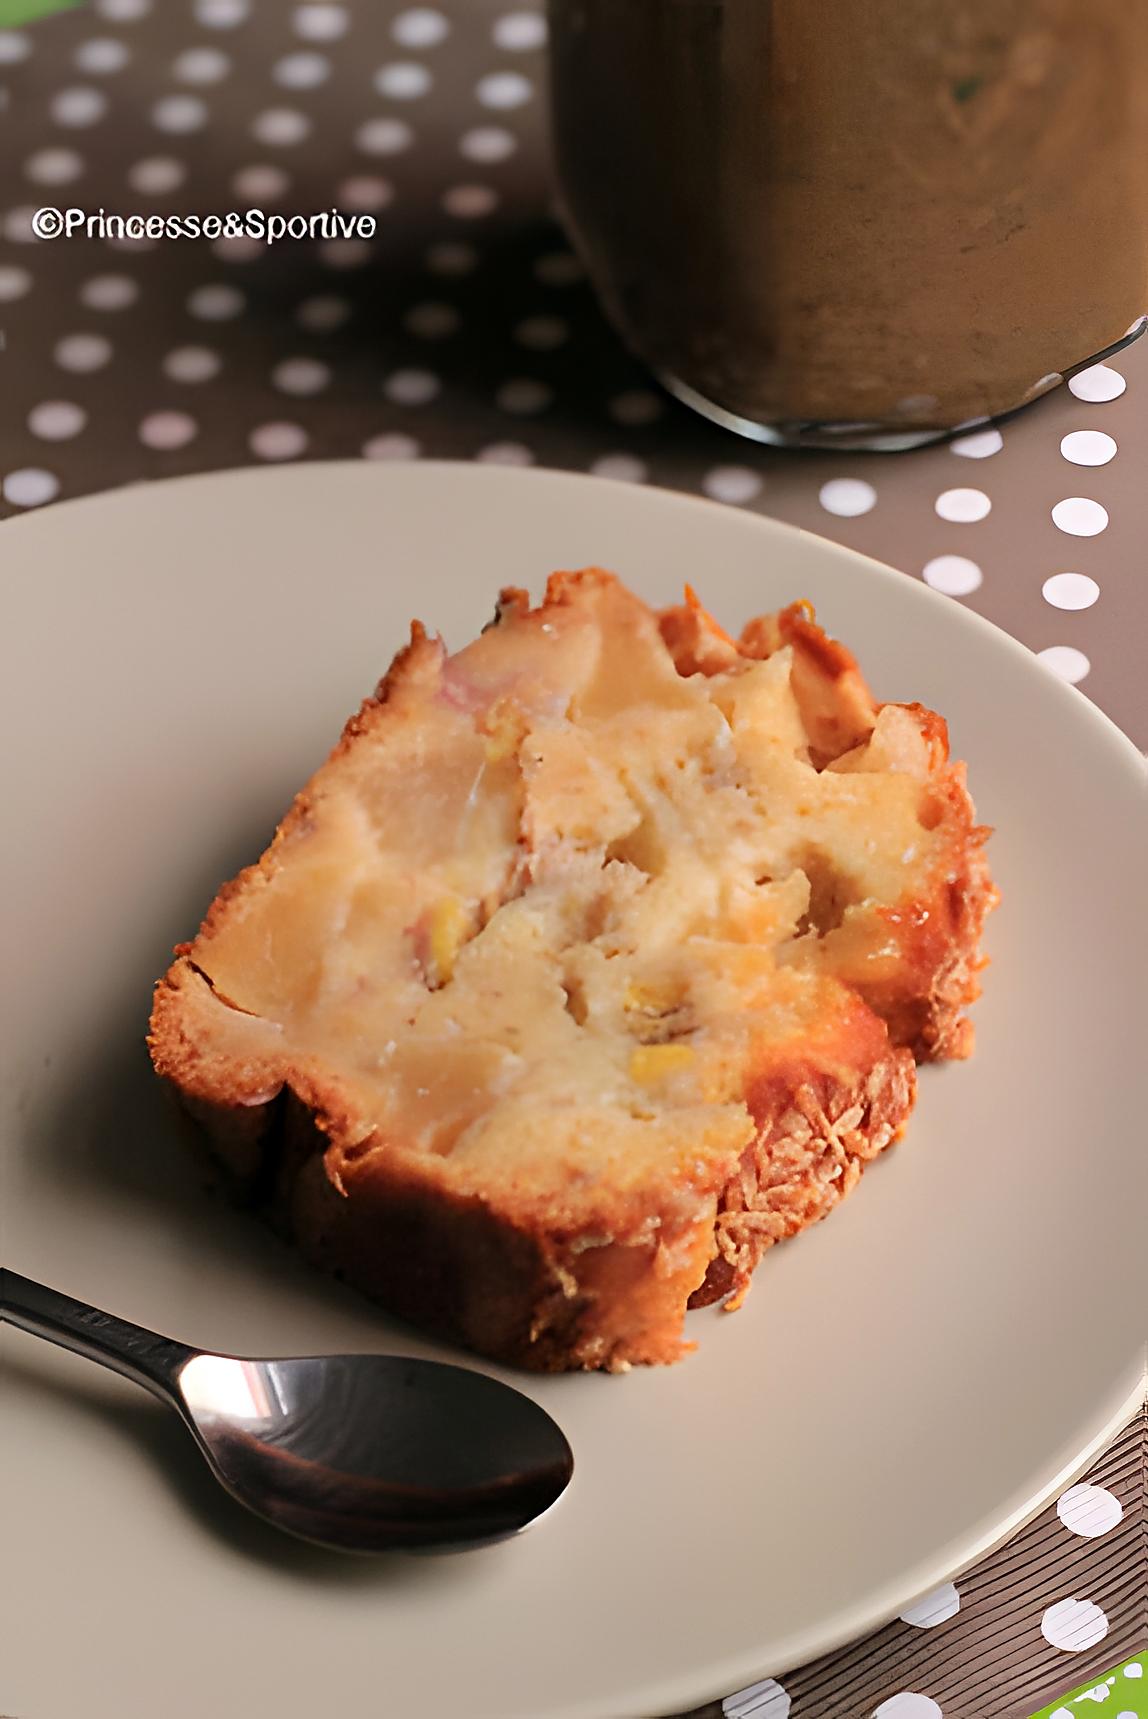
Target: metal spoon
364,1453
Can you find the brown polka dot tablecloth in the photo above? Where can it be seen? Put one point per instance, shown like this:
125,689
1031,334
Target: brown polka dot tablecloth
463,328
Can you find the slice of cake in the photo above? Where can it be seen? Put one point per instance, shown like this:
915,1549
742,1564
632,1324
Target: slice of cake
595,959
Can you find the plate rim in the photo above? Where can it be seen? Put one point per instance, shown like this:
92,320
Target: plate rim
742,1670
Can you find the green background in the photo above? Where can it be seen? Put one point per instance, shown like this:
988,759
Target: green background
23,11
1125,1695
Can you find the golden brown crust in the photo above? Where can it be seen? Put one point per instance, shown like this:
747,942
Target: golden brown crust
807,1157
546,1296
550,1299
817,1127
518,1292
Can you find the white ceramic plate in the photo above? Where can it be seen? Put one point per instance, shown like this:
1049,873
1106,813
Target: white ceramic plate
905,1384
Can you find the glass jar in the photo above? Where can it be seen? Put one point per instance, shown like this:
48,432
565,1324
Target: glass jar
858,223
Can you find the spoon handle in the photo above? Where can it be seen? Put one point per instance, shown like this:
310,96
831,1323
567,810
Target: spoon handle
141,1355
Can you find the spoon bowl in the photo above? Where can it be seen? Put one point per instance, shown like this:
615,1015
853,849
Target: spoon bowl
371,1452
359,1453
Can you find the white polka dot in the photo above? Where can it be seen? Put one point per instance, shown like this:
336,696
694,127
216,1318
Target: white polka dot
277,441
156,176
542,333
216,303
1070,591
623,468
262,183
301,376
518,32
1089,1511
504,90
344,253
1133,1671
469,202
908,1706
304,70
847,497
17,225
558,268
201,66
364,193
236,248
488,143
637,406
432,321
384,136
101,54
1073,1625
505,454
320,23
955,575
123,11
280,126
14,282
1066,661
1097,384
450,258
978,446
82,353
323,313
963,506
766,1700
14,47
732,483
1088,448
524,396
411,387
109,292
167,431
30,486
57,420
222,14
79,106
1079,516
421,27
179,114
936,1608
403,80
54,166
391,446
192,364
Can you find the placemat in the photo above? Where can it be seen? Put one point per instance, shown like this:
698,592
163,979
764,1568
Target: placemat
463,328
1045,1616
